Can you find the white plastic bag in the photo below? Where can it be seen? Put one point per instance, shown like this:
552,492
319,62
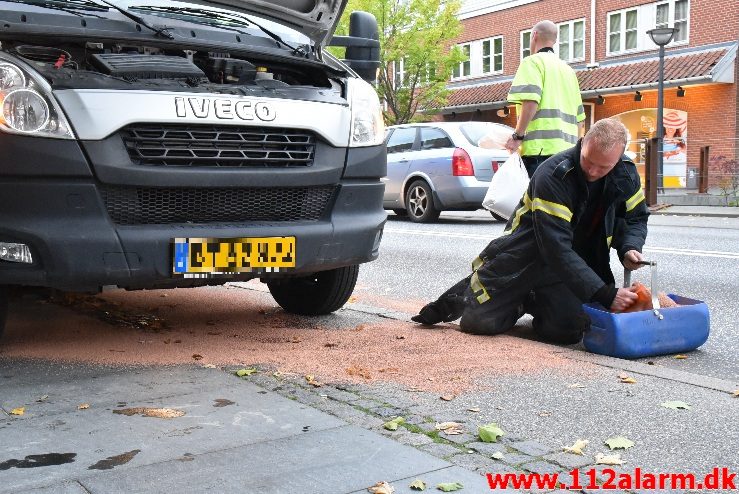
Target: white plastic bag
507,187
496,137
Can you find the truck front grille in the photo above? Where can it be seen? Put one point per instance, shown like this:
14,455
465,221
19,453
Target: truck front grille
218,146
145,205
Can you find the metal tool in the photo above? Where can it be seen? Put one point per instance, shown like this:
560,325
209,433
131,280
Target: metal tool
652,275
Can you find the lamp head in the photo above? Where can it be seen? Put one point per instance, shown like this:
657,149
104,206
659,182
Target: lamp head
662,35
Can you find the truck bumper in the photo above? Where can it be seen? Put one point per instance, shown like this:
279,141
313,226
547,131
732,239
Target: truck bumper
77,246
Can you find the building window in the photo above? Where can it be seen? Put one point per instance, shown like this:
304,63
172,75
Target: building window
674,14
464,69
525,44
622,31
627,29
492,55
399,73
571,40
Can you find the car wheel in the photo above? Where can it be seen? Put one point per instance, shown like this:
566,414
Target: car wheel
320,293
419,204
498,217
3,308
400,212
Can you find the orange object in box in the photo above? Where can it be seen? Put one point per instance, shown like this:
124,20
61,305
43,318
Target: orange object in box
644,300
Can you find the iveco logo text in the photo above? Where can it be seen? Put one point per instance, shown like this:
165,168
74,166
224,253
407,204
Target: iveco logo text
224,109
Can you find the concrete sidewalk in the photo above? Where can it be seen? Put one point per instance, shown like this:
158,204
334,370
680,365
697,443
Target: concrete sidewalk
714,211
233,437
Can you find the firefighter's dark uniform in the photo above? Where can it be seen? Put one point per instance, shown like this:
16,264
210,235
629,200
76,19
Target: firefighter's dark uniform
554,253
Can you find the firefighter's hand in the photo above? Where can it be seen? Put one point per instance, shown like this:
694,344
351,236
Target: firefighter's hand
512,145
624,299
632,259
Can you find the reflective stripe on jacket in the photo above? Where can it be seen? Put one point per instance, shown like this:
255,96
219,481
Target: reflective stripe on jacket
541,231
552,84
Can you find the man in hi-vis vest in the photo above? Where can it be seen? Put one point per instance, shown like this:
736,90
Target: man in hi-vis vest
548,103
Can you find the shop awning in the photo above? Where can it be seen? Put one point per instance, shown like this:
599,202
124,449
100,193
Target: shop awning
681,69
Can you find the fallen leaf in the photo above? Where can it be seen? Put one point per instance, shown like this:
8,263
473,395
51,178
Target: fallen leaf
389,370
627,380
352,299
623,376
197,356
331,345
392,425
42,399
310,379
246,372
619,442
735,394
497,455
601,459
447,397
160,413
473,410
83,406
18,411
490,433
450,428
576,449
295,340
545,413
418,485
449,486
209,366
681,357
576,385
676,405
381,488
355,370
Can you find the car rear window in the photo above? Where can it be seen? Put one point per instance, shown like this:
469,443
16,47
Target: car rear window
473,131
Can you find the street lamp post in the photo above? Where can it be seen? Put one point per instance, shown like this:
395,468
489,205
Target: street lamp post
661,37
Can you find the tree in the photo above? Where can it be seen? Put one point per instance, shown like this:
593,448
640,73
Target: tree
415,36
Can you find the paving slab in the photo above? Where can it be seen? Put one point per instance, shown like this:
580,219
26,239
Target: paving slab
341,460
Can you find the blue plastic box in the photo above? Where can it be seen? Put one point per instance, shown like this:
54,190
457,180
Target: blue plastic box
644,334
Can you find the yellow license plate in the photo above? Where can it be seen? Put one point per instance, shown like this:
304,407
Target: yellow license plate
212,256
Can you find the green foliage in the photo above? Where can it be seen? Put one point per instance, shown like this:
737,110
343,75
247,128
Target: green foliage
418,32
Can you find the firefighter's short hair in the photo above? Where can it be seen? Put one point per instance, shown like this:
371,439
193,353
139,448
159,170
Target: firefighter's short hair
607,133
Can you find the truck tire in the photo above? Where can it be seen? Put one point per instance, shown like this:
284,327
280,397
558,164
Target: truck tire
420,204
318,294
3,308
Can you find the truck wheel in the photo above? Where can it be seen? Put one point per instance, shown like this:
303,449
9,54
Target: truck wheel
420,204
3,308
318,294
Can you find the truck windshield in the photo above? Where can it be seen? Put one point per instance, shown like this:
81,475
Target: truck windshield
66,5
223,20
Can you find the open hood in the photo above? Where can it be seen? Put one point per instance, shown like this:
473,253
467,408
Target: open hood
316,19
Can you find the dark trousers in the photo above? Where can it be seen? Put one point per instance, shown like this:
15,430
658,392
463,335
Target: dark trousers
558,313
532,162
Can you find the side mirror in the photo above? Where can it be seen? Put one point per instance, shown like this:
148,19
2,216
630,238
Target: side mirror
362,45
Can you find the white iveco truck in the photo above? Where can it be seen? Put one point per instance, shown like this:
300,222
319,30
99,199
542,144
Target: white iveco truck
161,144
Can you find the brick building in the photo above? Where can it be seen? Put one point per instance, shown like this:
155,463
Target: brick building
606,42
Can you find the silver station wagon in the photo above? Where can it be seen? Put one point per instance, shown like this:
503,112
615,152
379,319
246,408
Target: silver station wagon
438,166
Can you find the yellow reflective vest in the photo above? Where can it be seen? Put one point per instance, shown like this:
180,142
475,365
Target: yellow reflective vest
552,84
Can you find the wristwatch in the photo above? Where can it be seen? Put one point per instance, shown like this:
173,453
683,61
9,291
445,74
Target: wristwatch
518,137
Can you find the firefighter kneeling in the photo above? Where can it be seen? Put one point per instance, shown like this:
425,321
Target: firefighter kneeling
554,253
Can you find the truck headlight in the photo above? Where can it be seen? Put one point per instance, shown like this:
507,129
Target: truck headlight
26,104
368,127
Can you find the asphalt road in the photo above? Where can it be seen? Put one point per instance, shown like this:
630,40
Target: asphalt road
697,257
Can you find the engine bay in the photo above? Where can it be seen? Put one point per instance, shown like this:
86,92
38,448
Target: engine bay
95,65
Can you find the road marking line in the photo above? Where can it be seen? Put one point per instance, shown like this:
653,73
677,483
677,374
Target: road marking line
648,248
